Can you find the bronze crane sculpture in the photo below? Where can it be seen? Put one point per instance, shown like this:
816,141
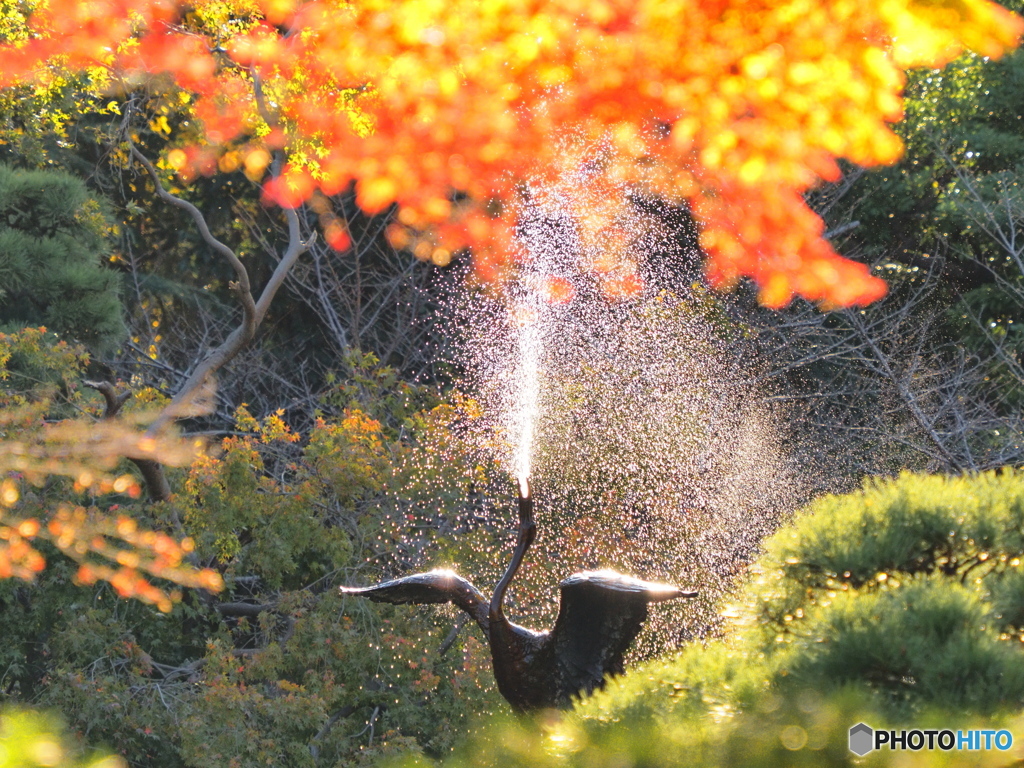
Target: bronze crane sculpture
600,614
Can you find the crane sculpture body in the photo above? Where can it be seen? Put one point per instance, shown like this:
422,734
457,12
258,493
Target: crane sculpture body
600,614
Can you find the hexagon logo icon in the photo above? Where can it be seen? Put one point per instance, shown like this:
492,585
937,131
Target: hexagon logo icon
862,738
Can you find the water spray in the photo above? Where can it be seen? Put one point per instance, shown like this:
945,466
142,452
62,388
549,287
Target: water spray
638,410
528,400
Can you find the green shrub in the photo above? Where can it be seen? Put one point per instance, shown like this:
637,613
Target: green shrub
911,586
35,740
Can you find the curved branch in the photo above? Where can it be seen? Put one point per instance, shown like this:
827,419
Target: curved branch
296,247
238,338
204,229
152,471
114,401
253,311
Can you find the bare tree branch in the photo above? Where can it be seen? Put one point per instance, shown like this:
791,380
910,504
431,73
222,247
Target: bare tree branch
114,401
314,748
249,610
253,311
152,472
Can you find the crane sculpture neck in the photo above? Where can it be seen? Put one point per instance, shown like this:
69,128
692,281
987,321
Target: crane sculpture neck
527,533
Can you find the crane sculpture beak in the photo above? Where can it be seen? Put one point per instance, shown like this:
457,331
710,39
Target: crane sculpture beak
525,501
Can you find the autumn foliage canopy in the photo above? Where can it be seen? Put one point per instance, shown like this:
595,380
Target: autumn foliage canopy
451,108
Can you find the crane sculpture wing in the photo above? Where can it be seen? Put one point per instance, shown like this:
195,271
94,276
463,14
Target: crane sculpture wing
600,615
437,586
